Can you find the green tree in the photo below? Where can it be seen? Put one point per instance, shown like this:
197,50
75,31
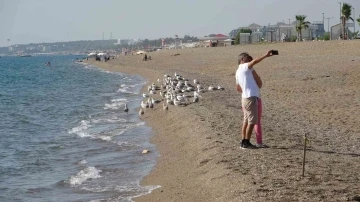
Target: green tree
237,38
345,16
355,34
301,24
327,36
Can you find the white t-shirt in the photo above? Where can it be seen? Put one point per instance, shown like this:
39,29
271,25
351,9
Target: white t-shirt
245,79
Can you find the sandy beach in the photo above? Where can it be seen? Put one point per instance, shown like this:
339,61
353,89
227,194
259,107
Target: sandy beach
311,87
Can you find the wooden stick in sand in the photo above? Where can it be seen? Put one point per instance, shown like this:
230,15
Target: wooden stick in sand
304,157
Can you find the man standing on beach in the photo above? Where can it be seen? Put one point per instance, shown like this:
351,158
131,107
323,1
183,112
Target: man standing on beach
246,84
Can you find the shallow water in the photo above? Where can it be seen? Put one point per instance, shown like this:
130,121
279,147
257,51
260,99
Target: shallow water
64,135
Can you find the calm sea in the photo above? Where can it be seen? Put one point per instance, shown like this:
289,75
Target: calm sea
64,135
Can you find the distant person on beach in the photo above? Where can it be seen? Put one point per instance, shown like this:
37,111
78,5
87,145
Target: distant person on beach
246,84
257,127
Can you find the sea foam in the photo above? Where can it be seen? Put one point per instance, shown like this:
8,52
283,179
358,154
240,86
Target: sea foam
83,175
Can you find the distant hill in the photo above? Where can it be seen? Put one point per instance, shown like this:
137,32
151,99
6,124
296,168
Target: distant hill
85,46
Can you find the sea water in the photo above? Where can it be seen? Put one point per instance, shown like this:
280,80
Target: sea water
64,135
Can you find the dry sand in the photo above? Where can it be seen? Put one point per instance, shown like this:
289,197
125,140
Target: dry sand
311,87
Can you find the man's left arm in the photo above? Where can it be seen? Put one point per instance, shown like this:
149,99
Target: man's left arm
257,79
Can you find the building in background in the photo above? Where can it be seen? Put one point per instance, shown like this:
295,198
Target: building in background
320,28
253,27
278,32
336,31
128,42
220,39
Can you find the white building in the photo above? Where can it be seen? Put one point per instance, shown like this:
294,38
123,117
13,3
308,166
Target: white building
127,41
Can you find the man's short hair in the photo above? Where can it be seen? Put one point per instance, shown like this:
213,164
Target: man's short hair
242,56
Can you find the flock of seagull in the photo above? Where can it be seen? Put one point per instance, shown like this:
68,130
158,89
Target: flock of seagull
177,91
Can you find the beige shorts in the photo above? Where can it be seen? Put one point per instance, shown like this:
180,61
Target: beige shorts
250,109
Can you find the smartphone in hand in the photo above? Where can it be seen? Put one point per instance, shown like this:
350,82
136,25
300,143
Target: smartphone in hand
274,52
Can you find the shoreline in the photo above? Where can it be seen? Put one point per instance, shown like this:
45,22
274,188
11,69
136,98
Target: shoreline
200,159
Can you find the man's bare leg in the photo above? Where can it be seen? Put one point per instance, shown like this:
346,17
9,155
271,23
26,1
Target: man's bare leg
246,142
243,134
249,130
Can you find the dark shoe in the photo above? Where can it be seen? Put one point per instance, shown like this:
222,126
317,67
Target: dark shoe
248,145
242,144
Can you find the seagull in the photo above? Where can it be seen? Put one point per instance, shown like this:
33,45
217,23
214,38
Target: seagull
144,104
167,95
145,95
211,88
179,97
195,99
220,88
176,102
185,96
196,82
152,92
165,107
141,112
151,105
155,101
162,94
187,84
126,109
168,101
196,94
159,80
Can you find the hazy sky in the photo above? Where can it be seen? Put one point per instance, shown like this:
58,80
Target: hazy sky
34,21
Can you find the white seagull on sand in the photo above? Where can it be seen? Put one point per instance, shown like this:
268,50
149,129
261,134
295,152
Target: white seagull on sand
176,102
196,94
144,104
155,101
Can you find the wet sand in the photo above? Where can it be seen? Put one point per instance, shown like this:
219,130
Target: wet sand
311,87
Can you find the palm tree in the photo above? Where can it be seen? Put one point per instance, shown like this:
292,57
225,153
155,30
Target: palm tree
301,24
346,15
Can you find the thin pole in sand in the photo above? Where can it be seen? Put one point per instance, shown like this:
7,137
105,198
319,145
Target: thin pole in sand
304,157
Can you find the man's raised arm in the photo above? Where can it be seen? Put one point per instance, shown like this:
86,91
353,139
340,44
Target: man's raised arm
257,60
